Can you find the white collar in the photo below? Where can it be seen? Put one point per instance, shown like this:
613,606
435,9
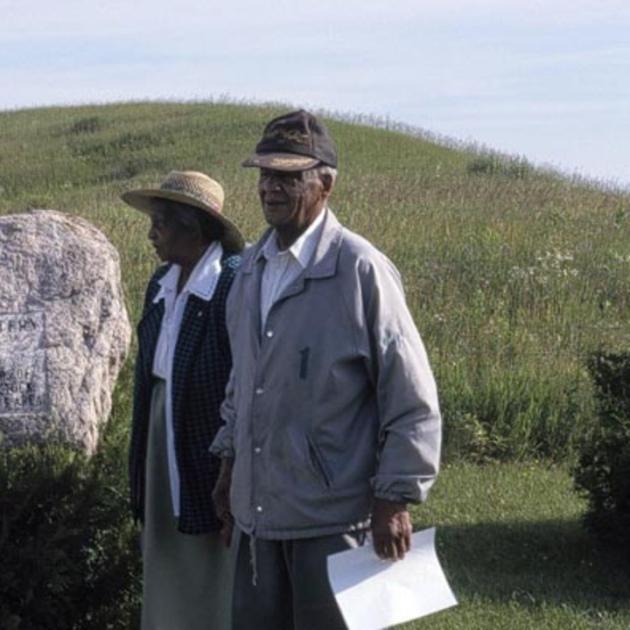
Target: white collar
202,280
303,247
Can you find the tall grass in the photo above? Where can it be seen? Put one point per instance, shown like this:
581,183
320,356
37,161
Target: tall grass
512,274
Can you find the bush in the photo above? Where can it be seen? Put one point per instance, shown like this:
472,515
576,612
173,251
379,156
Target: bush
603,470
69,551
495,164
88,124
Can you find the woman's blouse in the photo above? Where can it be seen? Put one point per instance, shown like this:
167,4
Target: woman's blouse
202,283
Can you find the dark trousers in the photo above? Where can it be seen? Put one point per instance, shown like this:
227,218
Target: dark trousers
291,590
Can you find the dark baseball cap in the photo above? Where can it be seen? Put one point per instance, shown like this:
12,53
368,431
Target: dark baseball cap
295,141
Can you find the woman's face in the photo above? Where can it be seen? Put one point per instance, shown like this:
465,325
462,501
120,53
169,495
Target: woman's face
171,242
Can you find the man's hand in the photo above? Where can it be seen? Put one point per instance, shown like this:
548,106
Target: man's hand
391,529
221,499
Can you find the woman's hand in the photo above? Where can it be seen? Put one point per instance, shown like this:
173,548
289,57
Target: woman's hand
221,500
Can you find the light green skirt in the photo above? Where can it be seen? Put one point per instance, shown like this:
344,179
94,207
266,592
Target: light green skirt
187,578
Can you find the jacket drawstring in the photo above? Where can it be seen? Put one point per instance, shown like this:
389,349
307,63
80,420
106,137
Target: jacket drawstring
252,558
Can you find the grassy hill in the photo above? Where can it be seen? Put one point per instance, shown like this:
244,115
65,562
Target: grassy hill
513,275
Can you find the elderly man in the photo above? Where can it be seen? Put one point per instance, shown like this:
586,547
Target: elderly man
332,425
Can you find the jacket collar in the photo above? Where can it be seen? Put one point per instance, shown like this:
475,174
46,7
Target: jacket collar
302,249
203,279
323,263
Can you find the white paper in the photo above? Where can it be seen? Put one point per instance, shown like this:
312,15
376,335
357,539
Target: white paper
374,594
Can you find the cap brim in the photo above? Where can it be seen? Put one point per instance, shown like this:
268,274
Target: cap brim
141,200
281,161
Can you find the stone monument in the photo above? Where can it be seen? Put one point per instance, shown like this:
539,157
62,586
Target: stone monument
64,330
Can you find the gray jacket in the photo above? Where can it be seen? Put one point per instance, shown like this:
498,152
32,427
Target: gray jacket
334,403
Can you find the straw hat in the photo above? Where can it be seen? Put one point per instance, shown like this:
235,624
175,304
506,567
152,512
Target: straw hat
193,189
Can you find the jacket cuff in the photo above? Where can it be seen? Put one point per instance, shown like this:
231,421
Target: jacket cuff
401,489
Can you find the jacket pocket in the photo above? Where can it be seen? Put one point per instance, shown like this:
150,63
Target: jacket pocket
304,354
318,463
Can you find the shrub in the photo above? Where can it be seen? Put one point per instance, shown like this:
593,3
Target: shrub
603,470
88,124
495,164
69,556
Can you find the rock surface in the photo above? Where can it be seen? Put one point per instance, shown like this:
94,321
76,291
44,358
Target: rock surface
64,330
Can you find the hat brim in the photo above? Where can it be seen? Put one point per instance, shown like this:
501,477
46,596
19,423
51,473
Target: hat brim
281,161
141,199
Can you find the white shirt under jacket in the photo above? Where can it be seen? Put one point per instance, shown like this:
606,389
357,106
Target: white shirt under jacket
202,283
282,267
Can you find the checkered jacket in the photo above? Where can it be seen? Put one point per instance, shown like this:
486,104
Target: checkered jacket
201,367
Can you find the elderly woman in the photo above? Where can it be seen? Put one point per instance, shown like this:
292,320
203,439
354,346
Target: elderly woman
181,371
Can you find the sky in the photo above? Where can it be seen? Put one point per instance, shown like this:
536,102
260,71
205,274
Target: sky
549,81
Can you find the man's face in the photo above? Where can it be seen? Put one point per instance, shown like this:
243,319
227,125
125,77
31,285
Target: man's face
291,200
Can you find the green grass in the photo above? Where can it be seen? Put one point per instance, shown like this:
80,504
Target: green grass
510,540
513,275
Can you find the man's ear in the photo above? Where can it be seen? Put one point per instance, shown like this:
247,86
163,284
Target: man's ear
327,184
